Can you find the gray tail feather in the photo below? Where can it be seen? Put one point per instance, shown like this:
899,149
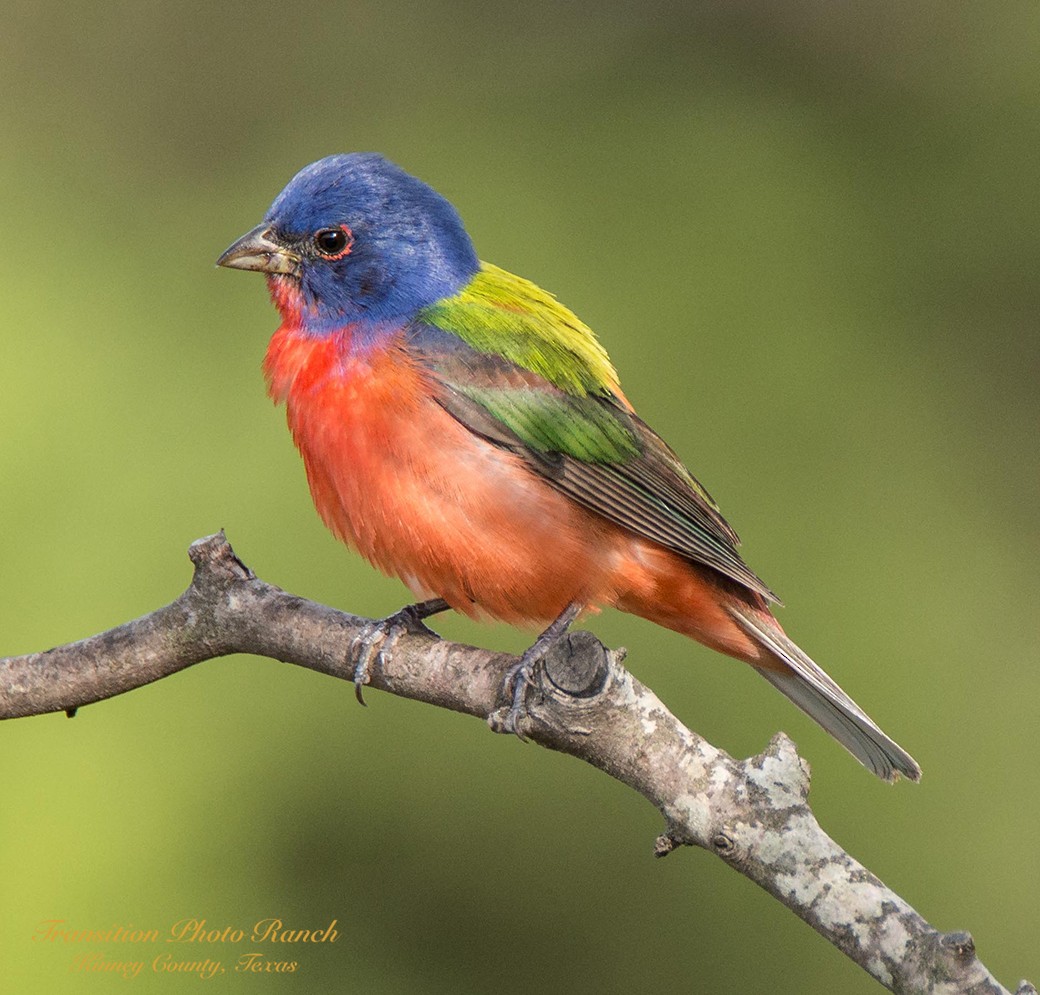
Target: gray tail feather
822,700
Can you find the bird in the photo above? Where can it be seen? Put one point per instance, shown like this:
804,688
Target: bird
466,432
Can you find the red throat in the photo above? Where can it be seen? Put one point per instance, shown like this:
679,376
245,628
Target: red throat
285,293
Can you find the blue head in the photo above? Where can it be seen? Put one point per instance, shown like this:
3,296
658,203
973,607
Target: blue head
354,238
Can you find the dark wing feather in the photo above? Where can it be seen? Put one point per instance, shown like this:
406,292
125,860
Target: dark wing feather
591,448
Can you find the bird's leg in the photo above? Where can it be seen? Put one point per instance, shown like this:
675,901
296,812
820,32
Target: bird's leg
378,638
521,676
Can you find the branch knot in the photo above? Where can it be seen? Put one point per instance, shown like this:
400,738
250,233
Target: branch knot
961,945
724,843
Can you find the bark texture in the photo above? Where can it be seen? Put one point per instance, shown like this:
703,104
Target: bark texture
753,813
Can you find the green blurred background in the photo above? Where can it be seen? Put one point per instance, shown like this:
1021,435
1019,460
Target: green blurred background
808,233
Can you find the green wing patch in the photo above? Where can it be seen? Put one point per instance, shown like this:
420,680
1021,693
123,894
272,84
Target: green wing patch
580,427
504,315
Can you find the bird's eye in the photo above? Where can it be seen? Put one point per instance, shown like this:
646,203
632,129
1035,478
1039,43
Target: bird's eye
333,243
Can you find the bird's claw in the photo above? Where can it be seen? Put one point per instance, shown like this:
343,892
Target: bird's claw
371,640
376,639
517,718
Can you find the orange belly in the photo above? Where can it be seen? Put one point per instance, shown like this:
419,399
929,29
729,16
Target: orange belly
420,496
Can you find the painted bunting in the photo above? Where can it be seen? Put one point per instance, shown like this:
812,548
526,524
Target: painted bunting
465,431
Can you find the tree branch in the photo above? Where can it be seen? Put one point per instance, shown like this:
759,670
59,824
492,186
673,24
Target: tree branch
752,813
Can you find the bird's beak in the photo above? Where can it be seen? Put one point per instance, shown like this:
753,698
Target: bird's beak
257,250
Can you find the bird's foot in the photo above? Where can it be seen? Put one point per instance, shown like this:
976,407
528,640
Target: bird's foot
376,639
520,678
517,718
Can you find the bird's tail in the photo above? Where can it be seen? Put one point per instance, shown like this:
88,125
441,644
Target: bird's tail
821,699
